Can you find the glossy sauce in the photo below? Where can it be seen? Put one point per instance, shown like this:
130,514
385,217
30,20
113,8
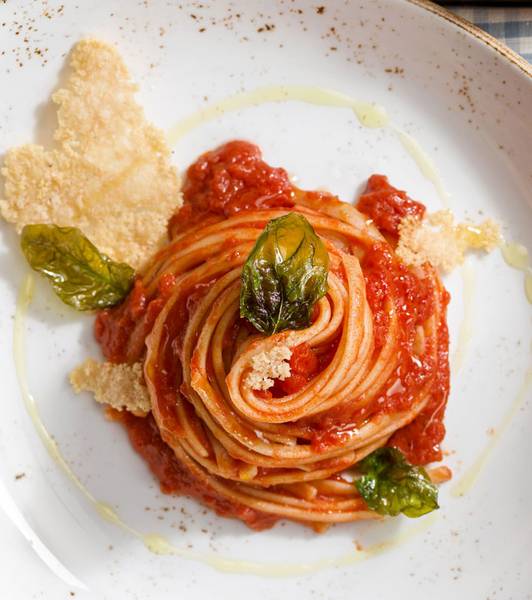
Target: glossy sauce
386,205
387,277
305,363
231,179
228,180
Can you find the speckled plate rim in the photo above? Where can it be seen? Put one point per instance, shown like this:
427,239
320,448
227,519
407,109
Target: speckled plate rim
478,33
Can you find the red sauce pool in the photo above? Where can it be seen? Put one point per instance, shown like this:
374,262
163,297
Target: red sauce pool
228,180
305,364
387,205
175,478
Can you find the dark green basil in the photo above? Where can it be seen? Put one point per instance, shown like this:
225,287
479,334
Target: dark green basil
284,275
390,485
80,275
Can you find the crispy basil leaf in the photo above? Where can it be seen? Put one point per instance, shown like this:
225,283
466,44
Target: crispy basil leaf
390,485
80,275
284,275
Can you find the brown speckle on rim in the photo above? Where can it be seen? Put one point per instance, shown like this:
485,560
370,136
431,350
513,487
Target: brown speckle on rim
320,10
19,476
394,70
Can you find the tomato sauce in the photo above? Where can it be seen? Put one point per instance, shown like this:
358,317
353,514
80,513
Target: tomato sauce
121,331
420,440
175,478
386,277
228,180
234,178
305,364
387,205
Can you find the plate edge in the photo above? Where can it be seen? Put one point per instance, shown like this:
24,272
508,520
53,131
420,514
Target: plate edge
476,32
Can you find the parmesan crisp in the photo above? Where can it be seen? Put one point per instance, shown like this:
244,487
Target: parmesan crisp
119,386
109,172
437,240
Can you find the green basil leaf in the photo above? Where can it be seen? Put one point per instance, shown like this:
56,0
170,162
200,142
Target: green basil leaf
80,275
390,485
284,275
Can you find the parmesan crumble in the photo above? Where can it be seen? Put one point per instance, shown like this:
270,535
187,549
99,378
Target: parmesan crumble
119,386
109,172
436,239
267,366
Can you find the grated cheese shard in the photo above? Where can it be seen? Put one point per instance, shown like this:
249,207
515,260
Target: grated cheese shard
109,172
436,239
267,366
120,386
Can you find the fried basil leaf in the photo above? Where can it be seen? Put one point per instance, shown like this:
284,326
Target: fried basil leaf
390,485
284,275
80,275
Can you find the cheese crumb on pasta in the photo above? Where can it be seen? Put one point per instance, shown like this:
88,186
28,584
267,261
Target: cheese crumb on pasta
269,365
120,386
436,239
109,172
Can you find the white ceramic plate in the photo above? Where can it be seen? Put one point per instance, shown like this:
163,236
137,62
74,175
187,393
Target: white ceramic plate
468,105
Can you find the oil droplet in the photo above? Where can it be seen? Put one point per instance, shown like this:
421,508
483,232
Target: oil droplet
158,544
371,116
516,256
424,163
465,332
107,512
528,286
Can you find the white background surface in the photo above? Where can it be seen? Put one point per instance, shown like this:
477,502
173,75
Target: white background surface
467,107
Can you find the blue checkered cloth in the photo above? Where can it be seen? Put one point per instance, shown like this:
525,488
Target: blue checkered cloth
512,26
